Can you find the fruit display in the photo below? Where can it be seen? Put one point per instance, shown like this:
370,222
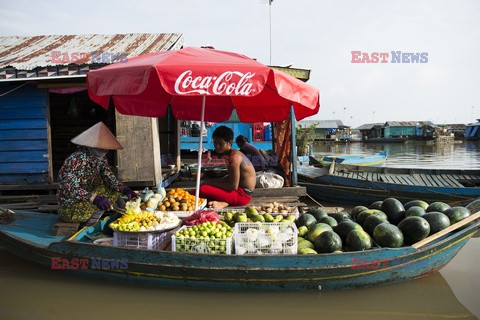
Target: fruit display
145,221
176,199
207,237
393,224
251,214
275,207
265,238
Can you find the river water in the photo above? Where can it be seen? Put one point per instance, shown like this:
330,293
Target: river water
30,292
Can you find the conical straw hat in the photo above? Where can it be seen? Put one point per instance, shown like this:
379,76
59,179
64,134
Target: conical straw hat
98,136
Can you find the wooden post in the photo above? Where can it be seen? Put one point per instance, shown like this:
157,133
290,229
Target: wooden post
293,144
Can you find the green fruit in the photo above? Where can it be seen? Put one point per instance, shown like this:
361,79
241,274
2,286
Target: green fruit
414,229
417,203
456,214
371,222
414,211
393,209
305,219
437,221
250,211
357,210
305,244
317,213
376,205
328,242
307,251
364,214
257,218
317,230
291,217
344,228
388,235
358,240
237,215
302,231
438,207
328,220
340,216
268,217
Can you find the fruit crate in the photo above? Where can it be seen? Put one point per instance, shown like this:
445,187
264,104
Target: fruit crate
199,245
142,240
265,238
221,212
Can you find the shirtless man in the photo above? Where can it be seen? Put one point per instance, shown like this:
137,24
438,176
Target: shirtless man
236,187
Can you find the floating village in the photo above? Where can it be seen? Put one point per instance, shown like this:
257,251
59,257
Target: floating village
119,147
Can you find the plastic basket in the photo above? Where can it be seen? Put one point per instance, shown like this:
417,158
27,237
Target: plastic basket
265,238
198,245
145,241
221,212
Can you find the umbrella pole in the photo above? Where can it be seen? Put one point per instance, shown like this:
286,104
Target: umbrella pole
199,160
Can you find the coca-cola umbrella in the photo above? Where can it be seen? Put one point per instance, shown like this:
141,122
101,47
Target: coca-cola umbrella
201,84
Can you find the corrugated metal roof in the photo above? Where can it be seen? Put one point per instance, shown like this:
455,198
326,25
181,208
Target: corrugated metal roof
408,123
27,53
322,124
369,126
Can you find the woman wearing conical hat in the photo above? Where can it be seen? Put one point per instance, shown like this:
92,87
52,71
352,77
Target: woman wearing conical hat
86,184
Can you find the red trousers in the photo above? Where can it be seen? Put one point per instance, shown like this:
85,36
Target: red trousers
233,198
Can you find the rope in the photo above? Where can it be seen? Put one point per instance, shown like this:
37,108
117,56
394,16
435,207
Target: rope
5,93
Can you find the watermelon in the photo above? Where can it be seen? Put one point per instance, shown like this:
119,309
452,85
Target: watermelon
437,221
371,222
306,219
416,203
388,235
316,230
307,251
357,210
358,240
318,213
364,214
437,206
394,210
456,214
305,244
344,227
376,205
329,220
328,242
415,211
340,216
414,229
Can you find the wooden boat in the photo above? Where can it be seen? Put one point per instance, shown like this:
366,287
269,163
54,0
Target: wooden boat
29,237
364,185
372,160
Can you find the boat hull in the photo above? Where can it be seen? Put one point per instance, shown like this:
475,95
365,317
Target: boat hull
234,272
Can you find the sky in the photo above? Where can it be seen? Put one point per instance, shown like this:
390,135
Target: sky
317,35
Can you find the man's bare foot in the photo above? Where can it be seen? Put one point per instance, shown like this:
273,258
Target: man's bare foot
217,204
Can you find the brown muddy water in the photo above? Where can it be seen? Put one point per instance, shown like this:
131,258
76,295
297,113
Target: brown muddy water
28,292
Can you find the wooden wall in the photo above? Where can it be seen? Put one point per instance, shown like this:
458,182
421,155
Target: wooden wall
24,148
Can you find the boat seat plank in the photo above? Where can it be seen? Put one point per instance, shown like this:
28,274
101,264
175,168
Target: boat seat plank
453,182
428,181
445,183
418,179
409,180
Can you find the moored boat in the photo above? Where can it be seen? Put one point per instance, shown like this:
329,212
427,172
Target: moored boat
373,160
29,237
364,185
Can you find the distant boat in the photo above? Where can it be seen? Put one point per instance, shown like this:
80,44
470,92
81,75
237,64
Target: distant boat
365,185
373,160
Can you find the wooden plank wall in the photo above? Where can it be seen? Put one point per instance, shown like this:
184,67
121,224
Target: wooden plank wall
24,157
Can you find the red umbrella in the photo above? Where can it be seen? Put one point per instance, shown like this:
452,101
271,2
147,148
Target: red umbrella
202,84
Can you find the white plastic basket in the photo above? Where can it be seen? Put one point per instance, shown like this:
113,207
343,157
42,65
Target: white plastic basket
265,238
145,241
198,245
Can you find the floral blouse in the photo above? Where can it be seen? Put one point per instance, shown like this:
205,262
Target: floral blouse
80,174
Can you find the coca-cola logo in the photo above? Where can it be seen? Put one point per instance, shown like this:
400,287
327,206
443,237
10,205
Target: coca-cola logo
228,83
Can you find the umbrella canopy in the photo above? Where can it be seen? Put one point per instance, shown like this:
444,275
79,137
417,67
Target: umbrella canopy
148,84
201,84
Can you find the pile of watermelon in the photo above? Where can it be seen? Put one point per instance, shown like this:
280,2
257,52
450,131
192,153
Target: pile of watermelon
387,223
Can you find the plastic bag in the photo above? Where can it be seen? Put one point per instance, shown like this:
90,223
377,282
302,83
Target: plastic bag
201,216
269,180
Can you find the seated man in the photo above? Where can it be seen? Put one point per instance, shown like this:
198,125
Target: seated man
86,185
236,187
252,153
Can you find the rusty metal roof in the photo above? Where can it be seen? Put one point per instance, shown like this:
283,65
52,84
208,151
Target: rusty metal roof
408,123
30,52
